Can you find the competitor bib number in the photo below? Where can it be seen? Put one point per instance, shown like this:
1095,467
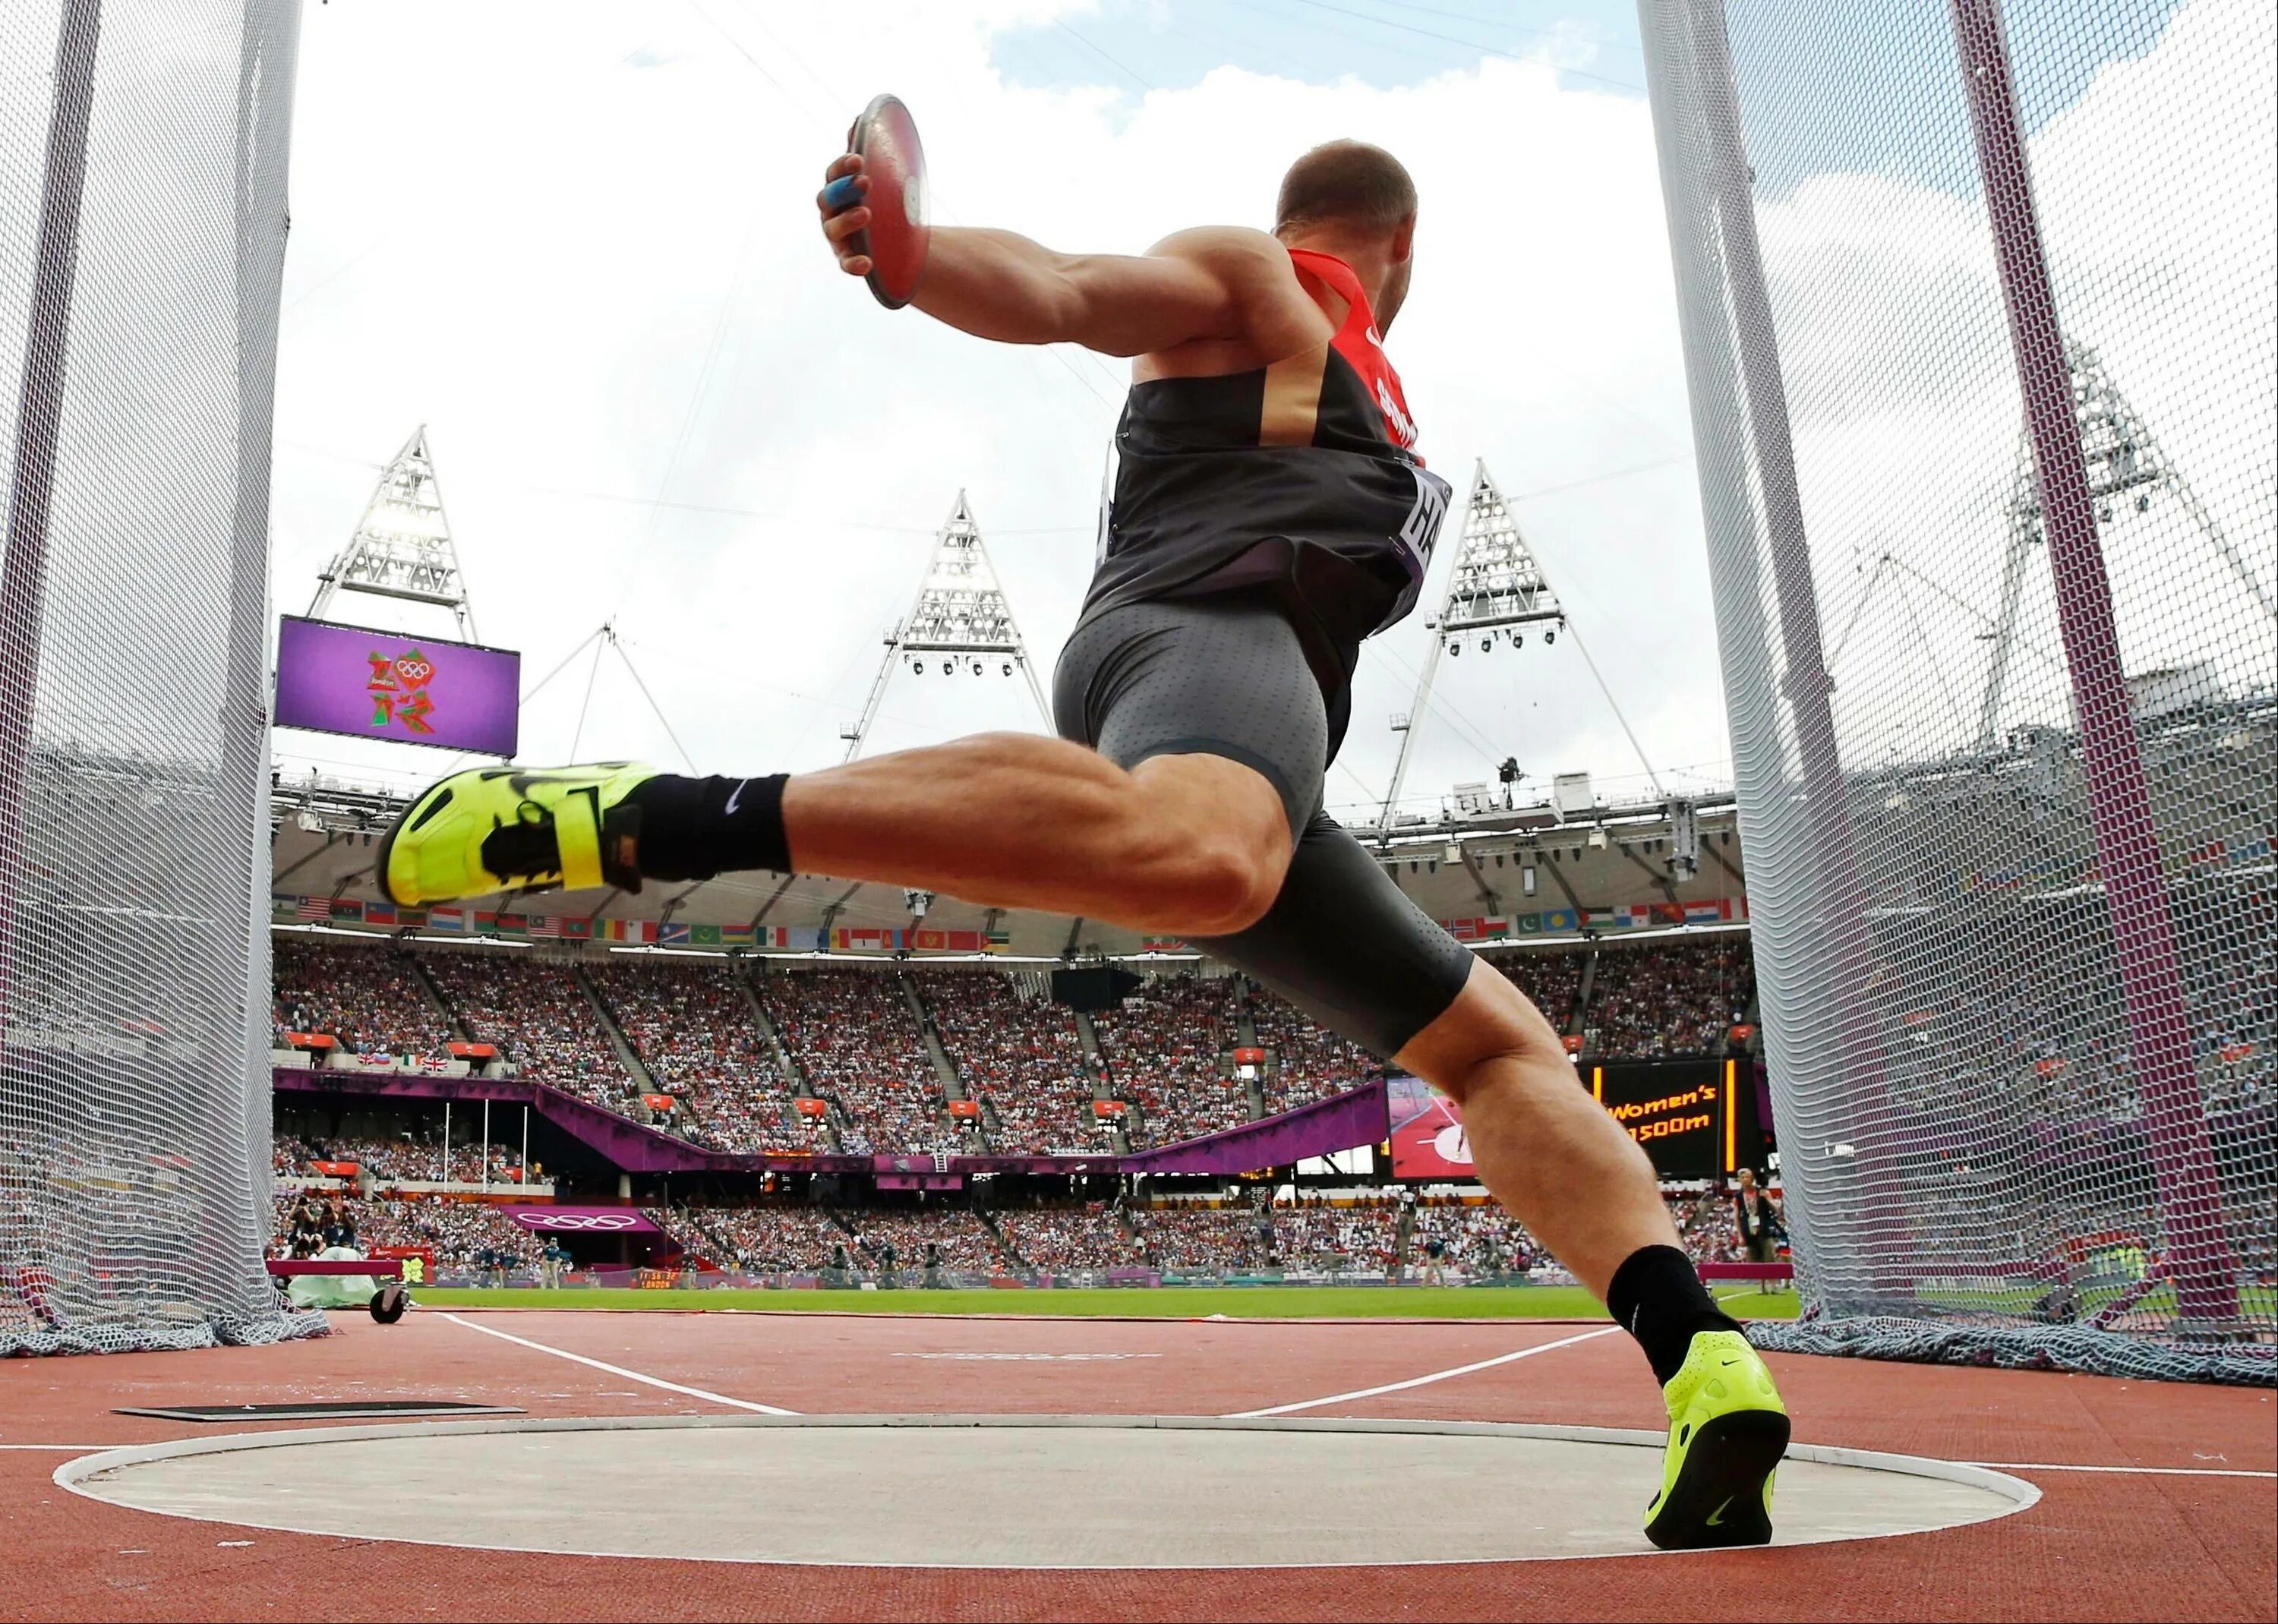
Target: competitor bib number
1422,529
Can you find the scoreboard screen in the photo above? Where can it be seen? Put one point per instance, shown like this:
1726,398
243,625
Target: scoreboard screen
385,685
1677,1111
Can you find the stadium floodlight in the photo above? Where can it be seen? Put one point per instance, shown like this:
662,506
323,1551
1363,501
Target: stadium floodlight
961,612
1494,588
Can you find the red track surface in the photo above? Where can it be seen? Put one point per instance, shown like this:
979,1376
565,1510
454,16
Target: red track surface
2097,1546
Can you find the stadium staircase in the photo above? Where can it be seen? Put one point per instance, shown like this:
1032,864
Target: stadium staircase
1575,1026
1245,1036
945,1069
434,991
620,1045
1003,1242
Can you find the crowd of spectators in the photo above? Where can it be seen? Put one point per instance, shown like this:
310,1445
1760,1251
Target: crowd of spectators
1069,1239
369,1000
856,1041
1305,1060
948,1237
1660,1000
539,1020
771,1239
1205,1240
1168,1048
1336,1240
1552,980
1473,1239
1020,1054
691,1026
465,1235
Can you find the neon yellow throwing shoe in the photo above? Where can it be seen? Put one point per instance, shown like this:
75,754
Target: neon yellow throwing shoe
1727,1430
507,828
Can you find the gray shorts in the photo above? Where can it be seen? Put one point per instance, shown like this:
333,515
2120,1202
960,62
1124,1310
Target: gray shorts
1227,676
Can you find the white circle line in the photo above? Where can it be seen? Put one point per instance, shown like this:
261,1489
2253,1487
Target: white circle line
76,1476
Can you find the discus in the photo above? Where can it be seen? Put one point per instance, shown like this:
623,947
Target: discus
885,137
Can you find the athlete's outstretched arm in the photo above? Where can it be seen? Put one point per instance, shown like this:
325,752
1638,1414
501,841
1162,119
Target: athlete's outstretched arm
1203,284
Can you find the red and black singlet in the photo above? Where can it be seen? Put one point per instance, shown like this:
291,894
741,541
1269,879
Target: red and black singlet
1300,475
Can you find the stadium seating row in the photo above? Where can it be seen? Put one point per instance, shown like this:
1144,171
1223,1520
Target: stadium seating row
878,1056
1053,1238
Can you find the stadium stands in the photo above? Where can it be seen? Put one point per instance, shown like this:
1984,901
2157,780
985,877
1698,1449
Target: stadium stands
689,1022
538,1017
1085,1239
1168,1050
857,1042
369,1000
1205,1240
966,1245
1338,1239
1306,1061
1660,1000
1021,1055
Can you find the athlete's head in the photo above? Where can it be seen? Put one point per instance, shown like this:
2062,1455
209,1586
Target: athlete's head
1355,201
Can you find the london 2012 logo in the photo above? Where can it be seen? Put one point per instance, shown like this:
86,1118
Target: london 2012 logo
399,690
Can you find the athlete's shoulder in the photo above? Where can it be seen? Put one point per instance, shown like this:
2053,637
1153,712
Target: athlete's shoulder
1223,245
1247,261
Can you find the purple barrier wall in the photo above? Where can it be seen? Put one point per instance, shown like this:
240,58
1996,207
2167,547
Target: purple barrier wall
1361,1117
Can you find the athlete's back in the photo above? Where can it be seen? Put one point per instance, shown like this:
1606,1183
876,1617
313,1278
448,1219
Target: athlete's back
1298,471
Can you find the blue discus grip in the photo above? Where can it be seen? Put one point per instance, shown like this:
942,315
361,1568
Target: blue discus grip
843,194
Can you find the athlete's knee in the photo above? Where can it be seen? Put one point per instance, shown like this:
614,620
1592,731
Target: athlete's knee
1213,847
1216,879
1489,1027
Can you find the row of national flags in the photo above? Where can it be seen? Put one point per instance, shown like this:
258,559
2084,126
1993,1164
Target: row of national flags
1565,921
510,926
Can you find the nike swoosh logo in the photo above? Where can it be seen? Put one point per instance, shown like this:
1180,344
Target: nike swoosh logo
734,796
1716,1517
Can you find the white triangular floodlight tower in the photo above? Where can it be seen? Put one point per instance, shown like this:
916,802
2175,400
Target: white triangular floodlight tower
1495,590
401,547
961,615
2125,466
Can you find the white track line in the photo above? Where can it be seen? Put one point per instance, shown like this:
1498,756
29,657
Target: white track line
1421,1381
2144,1471
631,1375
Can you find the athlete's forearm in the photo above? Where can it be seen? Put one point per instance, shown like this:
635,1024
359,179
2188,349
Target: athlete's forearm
995,284
998,285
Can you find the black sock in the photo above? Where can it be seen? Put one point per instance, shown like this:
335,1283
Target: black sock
692,828
1659,1300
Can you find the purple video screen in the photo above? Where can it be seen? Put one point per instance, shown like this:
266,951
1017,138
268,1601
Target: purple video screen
386,685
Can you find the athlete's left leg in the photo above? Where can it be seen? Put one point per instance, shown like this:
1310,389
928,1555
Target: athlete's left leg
1345,944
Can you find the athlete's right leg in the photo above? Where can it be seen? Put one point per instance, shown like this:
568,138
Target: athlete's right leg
1187,844
1181,822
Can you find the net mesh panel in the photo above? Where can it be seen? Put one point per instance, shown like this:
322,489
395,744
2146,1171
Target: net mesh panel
142,149
1979,319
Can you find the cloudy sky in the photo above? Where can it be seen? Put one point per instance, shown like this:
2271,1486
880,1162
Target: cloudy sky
576,241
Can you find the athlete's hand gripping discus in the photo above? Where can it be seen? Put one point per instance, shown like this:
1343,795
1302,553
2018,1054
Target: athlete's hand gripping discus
891,186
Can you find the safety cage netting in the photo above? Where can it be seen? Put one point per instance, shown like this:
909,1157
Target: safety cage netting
1983,353
143,147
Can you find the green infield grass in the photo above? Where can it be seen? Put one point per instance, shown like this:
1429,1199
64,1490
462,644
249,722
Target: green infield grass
1170,1302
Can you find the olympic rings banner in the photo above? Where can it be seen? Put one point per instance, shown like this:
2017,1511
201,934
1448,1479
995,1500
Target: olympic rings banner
583,1220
